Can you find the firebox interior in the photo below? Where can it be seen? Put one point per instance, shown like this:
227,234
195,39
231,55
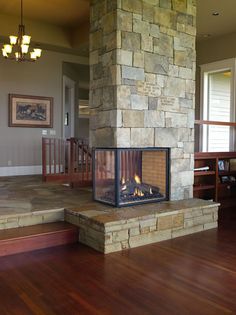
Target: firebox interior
124,177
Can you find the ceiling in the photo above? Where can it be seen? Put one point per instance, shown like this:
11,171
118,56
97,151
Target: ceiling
72,13
209,25
68,13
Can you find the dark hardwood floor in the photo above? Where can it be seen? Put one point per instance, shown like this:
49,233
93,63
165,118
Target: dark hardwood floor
190,275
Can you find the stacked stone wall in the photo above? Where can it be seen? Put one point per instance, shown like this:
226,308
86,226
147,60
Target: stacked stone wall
142,71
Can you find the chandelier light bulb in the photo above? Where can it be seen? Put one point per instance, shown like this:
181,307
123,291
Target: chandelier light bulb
33,55
4,53
7,48
13,40
24,49
38,52
26,40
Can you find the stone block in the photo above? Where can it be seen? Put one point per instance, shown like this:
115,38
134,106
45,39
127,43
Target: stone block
124,21
53,217
148,13
169,104
178,220
161,136
148,223
109,23
145,230
187,231
139,102
176,120
111,248
180,58
175,87
124,57
180,5
123,97
188,223
154,118
212,225
149,238
132,73
154,63
133,118
131,41
139,60
141,27
152,103
134,6
182,179
163,45
134,231
148,89
164,223
142,137
166,18
123,137
154,30
185,73
120,236
147,43
207,218
180,165
30,220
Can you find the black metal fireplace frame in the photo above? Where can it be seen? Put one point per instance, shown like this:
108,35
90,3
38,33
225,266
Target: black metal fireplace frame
117,179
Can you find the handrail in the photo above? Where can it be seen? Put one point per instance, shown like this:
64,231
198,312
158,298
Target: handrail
217,123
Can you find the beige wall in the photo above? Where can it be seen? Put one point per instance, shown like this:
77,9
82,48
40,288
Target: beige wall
22,146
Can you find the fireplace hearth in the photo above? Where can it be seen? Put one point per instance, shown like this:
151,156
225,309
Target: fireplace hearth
126,177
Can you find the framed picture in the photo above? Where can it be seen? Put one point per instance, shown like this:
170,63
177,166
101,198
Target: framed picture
221,165
30,111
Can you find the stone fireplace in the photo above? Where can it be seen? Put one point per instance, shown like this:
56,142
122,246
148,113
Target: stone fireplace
142,94
130,176
142,80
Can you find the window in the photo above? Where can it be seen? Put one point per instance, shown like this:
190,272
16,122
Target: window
218,106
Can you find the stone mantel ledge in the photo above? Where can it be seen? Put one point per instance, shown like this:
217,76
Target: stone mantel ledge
108,229
107,216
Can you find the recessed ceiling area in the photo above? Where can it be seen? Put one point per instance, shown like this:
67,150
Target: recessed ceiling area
73,16
67,13
209,25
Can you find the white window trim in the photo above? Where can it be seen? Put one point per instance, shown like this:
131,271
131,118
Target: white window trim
227,64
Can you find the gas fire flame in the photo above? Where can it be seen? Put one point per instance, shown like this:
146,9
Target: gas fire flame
138,192
137,179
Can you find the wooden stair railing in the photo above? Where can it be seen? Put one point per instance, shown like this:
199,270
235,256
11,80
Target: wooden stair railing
67,161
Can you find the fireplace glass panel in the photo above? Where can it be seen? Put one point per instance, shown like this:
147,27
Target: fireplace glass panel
124,177
104,176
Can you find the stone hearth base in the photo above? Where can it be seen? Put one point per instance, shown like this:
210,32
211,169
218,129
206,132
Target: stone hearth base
113,229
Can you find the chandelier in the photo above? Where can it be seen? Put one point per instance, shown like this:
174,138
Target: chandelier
19,47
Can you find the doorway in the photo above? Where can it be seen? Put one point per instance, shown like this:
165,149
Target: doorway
68,108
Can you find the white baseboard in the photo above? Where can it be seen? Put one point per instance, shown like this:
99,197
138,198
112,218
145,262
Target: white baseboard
21,170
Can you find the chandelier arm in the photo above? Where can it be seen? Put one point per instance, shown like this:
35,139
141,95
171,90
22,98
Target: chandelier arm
21,17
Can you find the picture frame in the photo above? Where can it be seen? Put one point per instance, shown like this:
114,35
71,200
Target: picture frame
221,165
30,111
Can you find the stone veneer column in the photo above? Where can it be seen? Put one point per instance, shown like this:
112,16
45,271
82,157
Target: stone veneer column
142,79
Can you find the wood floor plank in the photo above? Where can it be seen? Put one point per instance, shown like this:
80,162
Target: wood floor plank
192,275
